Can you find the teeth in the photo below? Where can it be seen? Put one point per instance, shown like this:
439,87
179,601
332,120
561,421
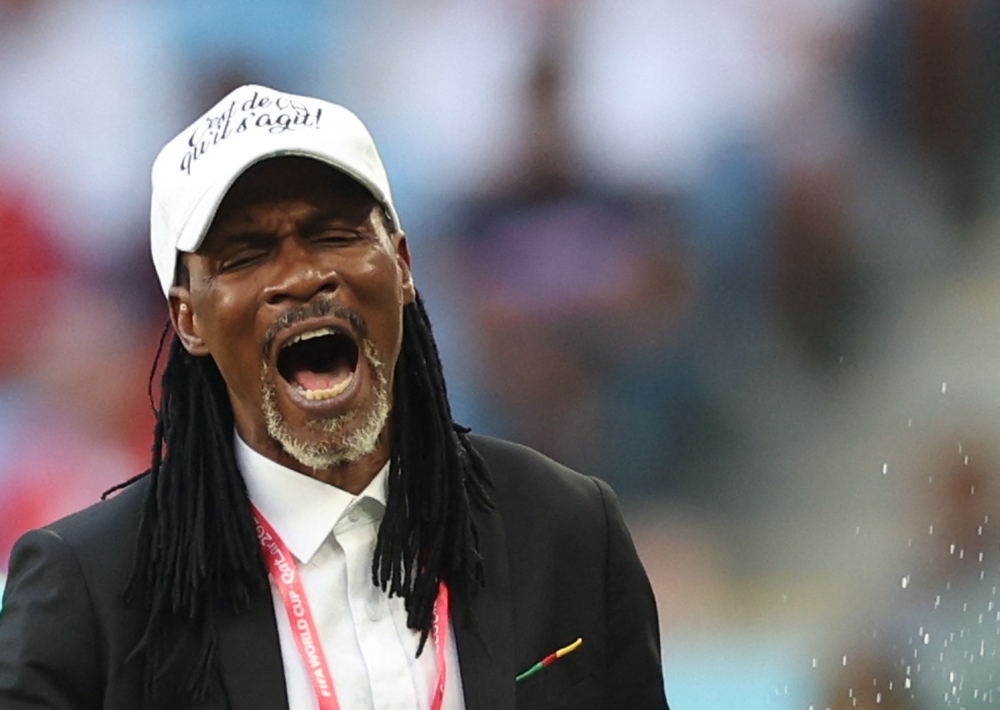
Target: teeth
329,393
310,334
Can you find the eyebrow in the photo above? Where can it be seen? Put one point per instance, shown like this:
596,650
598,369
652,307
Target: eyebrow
248,237
323,219
260,237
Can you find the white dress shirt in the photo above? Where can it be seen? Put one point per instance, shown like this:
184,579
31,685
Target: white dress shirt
369,649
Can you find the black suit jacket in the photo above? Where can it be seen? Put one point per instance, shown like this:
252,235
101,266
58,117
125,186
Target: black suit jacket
559,564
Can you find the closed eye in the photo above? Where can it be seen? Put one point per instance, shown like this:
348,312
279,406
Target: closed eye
243,259
337,237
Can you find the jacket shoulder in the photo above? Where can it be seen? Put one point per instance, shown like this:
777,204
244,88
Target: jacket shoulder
512,463
530,485
104,531
63,631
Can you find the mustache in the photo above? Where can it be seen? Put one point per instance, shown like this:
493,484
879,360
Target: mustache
317,308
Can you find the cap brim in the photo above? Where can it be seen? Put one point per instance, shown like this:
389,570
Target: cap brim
200,220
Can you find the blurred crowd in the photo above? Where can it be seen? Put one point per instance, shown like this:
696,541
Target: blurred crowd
717,252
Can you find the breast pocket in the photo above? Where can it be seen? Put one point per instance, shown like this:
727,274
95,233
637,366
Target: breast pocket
561,686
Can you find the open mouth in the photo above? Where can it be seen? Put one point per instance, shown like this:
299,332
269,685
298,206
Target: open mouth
319,364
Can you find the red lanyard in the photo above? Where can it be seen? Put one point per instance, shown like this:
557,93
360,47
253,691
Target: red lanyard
283,570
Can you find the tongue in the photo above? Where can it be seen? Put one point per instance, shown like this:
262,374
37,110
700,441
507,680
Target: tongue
310,380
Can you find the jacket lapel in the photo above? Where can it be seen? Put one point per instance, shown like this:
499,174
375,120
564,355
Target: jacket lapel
484,626
250,658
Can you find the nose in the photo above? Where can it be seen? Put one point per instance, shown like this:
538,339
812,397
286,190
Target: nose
299,273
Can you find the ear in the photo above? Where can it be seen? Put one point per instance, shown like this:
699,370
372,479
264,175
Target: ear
403,262
185,323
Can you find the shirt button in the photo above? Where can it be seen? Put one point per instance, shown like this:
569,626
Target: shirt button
354,515
373,609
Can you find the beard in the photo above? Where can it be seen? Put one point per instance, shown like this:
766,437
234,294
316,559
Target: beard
349,436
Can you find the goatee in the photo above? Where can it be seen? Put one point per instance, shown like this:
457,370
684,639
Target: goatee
350,436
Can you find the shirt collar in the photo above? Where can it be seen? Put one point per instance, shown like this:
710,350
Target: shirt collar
302,510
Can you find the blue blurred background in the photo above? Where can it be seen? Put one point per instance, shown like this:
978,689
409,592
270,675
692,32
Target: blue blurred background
737,257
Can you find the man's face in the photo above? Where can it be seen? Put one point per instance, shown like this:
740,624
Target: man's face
297,294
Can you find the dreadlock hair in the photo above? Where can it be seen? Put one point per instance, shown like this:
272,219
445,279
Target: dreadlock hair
197,551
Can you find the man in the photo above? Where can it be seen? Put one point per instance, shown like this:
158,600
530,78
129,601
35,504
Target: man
315,531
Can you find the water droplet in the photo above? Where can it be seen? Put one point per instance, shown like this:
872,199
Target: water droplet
878,698
845,660
944,387
814,662
906,684
905,582
927,639
885,469
930,530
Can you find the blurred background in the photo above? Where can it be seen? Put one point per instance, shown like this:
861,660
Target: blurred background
740,258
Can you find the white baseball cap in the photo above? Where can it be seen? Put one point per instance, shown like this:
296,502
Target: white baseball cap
194,171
